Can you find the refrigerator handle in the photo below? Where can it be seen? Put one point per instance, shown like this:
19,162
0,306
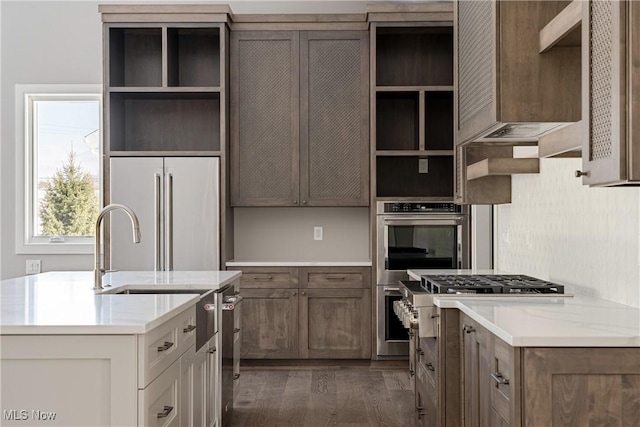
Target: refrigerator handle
169,224
158,224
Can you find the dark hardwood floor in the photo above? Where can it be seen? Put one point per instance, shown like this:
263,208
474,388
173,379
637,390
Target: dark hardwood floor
314,396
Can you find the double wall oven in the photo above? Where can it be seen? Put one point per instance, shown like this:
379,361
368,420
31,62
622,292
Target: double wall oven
413,235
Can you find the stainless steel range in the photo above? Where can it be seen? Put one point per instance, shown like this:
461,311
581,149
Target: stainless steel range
416,306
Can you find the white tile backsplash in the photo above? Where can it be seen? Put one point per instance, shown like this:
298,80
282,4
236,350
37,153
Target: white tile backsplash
559,230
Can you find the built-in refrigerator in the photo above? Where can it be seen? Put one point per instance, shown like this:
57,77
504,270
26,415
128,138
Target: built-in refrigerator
176,200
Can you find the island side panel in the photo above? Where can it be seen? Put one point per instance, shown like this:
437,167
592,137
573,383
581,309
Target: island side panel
68,380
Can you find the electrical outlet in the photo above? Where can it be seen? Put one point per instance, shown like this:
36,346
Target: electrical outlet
33,266
317,233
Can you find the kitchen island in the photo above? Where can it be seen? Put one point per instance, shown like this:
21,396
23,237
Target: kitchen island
534,360
73,356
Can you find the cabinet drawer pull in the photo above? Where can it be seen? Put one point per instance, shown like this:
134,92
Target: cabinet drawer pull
166,412
335,277
433,316
236,330
430,366
167,345
468,329
497,377
212,350
189,329
262,277
293,294
236,376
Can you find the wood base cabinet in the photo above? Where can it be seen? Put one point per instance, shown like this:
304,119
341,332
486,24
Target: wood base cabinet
520,386
306,313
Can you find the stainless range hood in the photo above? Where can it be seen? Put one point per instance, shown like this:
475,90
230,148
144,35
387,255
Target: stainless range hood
519,133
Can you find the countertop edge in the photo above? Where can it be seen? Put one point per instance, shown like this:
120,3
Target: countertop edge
538,341
298,264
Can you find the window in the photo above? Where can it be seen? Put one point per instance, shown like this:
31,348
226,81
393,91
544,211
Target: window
60,149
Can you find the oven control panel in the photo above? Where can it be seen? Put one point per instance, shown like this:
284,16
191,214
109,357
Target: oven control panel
415,207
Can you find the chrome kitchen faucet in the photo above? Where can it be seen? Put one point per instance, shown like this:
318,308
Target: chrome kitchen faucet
98,271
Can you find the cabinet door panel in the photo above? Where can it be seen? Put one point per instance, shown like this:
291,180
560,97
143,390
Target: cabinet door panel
133,183
193,221
581,386
335,323
603,83
270,324
476,55
265,118
334,122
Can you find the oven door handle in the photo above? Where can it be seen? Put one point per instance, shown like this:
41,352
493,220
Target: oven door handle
417,220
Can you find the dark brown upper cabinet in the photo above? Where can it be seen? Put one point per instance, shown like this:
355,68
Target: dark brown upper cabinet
300,118
508,92
412,110
163,85
611,91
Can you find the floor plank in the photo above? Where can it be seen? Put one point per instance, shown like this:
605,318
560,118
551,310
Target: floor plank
351,396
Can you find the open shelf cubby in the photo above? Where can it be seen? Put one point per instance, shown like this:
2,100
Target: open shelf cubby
135,57
193,57
400,177
397,124
438,121
414,56
164,122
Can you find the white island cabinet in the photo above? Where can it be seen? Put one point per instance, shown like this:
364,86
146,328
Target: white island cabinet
70,356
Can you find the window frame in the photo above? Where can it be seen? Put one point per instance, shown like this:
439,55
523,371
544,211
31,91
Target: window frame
26,243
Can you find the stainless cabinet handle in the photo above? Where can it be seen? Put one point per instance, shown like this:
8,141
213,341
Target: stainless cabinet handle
158,258
189,329
433,316
166,412
468,329
209,307
335,277
497,377
167,345
303,293
262,277
581,173
295,202
168,265
236,376
293,294
304,202
430,366
212,350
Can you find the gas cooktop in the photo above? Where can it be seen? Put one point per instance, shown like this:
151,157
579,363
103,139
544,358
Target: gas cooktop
488,284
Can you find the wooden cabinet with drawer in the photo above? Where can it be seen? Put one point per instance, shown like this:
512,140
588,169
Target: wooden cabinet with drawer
306,312
530,386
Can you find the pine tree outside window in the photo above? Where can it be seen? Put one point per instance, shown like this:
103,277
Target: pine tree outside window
62,140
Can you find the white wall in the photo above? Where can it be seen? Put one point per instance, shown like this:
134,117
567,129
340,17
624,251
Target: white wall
559,230
42,42
286,234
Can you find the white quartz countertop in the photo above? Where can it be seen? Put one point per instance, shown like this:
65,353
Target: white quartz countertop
545,321
298,263
65,303
552,322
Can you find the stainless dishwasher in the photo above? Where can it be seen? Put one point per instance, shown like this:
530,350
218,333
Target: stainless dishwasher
231,338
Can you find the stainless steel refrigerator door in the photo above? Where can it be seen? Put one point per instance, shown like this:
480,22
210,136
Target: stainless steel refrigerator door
191,205
137,183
